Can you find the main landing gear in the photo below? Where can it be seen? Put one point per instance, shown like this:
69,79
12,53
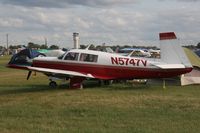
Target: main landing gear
105,82
74,82
53,84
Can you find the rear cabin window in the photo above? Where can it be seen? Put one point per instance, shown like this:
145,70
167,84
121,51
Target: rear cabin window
88,57
71,56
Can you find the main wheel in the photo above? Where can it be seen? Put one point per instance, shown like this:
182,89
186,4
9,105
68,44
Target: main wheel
53,84
107,82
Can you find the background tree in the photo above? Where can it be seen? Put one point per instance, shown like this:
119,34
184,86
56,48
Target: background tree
14,46
1,47
33,45
43,46
190,46
54,47
198,45
82,46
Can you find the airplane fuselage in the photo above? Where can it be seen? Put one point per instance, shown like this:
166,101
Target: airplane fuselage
77,64
107,66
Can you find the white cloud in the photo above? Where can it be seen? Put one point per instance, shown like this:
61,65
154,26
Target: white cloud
118,22
66,3
11,22
36,38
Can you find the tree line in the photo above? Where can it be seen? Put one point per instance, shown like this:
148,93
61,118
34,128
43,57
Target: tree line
114,47
34,46
193,46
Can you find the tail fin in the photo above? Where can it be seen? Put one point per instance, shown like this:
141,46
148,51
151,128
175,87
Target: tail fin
171,51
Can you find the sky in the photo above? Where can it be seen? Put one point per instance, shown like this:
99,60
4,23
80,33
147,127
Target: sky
114,22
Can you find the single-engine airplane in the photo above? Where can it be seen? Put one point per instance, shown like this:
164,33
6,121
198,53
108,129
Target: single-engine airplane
80,64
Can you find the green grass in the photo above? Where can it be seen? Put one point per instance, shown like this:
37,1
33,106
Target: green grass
32,107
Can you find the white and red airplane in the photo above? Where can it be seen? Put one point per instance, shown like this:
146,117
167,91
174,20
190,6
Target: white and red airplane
80,64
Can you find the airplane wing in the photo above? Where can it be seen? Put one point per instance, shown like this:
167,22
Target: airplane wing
56,71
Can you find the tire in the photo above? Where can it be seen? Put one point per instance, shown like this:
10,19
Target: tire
53,84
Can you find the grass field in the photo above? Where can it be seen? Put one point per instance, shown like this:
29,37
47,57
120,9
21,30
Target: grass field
32,107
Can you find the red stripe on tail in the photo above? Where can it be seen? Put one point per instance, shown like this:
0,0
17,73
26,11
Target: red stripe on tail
167,36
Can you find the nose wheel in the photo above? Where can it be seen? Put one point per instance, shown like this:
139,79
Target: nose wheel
53,84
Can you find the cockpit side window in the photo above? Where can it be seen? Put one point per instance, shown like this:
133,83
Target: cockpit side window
71,56
88,57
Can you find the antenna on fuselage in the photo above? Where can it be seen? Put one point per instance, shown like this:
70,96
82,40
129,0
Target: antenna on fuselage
87,48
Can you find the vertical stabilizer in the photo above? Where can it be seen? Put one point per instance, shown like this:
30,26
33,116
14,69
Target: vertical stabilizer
171,51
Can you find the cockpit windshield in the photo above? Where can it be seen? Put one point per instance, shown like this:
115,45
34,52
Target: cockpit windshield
61,56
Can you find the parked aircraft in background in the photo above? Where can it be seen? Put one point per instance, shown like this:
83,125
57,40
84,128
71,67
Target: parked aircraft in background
155,53
135,52
51,53
80,64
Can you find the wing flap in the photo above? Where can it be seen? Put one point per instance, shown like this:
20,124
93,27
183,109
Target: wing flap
56,71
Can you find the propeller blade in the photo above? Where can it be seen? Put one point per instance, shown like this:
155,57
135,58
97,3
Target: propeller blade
29,74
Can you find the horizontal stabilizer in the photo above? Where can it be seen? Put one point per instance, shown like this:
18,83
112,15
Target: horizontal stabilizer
171,66
167,36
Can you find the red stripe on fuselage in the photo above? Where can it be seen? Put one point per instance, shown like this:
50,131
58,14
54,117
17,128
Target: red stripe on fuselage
111,72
